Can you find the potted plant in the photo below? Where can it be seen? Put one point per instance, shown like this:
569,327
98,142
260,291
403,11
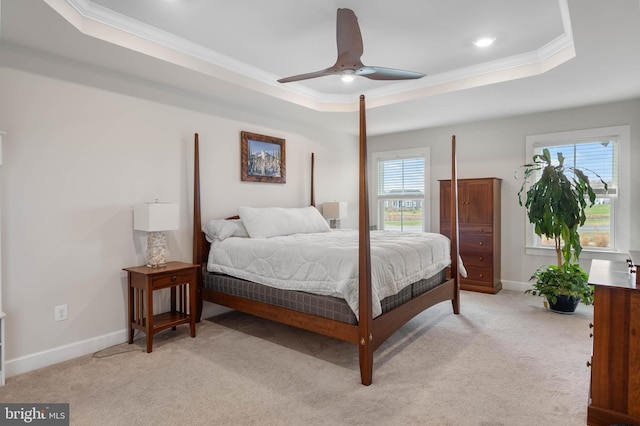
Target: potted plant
556,205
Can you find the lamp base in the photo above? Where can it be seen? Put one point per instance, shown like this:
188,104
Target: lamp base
156,249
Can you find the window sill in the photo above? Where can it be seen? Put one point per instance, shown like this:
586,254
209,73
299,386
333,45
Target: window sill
585,254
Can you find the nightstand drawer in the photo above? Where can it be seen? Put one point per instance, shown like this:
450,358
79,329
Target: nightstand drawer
173,279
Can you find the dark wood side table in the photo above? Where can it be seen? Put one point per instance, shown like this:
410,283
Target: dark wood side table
181,279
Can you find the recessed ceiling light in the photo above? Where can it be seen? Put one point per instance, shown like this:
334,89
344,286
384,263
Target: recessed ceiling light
484,41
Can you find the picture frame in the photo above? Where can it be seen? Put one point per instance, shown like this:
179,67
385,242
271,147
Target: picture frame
263,158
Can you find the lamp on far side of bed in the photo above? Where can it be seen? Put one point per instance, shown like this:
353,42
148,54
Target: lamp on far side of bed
334,211
155,218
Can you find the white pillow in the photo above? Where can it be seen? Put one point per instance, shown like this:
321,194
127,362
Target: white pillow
273,221
222,229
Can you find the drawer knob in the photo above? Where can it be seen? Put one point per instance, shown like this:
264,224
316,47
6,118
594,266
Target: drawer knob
173,278
481,275
481,243
481,258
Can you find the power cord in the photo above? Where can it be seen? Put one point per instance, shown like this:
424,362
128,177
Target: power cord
99,355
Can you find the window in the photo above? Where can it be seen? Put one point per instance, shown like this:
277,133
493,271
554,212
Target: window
401,192
603,151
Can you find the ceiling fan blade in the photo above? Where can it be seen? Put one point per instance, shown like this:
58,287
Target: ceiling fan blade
350,49
380,73
349,39
307,76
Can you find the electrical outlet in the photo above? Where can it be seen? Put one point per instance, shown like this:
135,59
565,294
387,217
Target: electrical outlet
60,312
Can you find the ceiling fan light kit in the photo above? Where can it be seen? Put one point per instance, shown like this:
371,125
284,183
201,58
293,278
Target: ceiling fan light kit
348,76
350,49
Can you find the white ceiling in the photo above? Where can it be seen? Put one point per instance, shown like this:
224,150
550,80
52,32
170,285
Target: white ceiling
548,54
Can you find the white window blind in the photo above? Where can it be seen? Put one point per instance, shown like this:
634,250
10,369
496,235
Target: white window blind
401,178
595,158
400,183
603,152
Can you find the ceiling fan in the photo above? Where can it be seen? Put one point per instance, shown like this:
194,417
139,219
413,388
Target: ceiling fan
350,50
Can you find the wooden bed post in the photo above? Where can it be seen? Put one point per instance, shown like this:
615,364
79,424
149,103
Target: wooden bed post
365,319
369,333
313,196
455,252
197,222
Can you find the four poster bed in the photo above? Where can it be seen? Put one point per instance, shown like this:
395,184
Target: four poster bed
369,312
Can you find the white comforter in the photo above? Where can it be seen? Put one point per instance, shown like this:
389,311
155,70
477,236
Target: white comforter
326,263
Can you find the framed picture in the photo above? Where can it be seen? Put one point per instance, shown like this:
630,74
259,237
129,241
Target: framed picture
263,158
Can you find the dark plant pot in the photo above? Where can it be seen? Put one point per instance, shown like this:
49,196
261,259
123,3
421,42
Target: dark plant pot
564,304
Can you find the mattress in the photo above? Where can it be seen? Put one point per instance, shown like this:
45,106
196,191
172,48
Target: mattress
326,263
329,307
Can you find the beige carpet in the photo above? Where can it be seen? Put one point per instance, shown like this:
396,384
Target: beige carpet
504,360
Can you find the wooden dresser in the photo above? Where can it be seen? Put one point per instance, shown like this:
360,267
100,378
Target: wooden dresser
615,362
479,229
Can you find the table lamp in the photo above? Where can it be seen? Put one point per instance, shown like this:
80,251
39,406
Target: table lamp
155,218
334,211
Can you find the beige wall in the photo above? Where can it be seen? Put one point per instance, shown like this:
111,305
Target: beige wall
76,160
81,149
497,148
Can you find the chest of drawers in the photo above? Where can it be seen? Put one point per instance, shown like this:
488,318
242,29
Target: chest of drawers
479,230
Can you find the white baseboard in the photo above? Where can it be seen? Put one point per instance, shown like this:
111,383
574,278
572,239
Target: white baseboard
52,356
515,285
42,359
63,353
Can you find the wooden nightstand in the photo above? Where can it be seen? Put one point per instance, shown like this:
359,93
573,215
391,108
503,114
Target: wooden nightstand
181,278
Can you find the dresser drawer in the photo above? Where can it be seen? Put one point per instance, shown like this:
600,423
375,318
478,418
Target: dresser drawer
476,242
475,229
445,229
174,278
478,274
477,258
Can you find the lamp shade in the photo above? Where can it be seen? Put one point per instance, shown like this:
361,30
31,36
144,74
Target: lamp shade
334,210
153,217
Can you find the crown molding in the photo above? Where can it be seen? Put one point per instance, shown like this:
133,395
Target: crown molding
105,24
